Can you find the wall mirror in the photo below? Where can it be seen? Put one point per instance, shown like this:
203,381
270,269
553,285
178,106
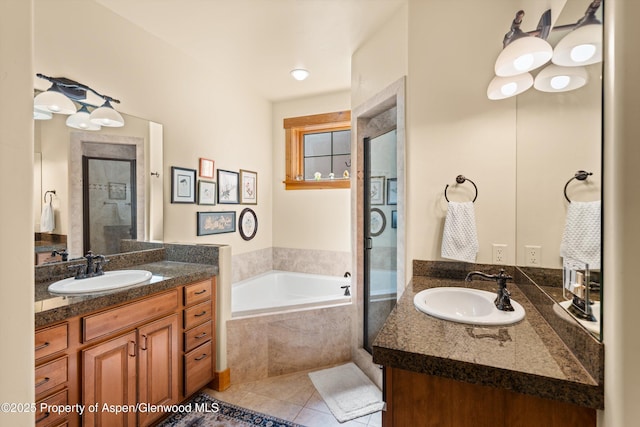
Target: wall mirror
558,134
58,166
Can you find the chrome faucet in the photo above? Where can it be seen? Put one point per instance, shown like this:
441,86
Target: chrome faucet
92,268
503,299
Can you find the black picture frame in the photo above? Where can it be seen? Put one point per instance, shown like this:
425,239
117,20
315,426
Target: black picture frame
215,223
248,224
377,222
392,191
206,192
183,185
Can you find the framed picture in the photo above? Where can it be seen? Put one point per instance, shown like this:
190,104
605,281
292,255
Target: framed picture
227,187
206,168
392,191
394,219
183,185
376,188
248,187
248,224
378,222
206,192
216,223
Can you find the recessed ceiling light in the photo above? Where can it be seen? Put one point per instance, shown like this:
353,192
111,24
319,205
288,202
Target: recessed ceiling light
299,74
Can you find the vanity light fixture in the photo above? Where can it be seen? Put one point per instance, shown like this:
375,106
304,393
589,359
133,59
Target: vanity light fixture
80,120
300,74
506,87
554,78
583,45
59,99
522,51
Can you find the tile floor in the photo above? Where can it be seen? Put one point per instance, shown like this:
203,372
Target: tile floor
291,397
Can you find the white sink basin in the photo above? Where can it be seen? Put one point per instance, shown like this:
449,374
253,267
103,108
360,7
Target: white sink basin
108,281
464,305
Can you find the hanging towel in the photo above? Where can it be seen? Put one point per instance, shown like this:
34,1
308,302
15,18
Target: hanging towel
460,239
581,238
47,220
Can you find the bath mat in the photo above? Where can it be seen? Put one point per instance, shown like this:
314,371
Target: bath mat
205,411
347,391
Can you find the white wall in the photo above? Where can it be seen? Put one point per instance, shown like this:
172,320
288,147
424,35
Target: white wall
205,112
452,128
308,219
16,225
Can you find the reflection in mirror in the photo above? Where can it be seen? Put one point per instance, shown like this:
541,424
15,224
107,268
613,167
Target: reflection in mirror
61,148
558,134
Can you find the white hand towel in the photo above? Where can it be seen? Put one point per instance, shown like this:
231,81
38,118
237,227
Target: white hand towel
581,238
47,219
460,239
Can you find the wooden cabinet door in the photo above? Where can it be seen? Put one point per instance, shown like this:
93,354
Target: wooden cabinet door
109,382
158,354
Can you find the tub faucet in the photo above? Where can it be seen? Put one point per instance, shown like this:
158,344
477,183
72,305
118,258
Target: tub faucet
503,300
346,288
347,274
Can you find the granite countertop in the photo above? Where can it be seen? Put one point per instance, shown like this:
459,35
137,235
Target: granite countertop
50,308
526,357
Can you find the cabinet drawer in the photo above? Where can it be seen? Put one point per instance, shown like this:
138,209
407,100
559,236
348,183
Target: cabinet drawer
198,335
51,340
197,314
129,315
45,418
50,375
198,367
197,292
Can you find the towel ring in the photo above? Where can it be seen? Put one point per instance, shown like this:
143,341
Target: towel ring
460,179
580,176
50,193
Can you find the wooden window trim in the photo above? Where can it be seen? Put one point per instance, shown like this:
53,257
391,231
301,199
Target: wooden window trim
295,129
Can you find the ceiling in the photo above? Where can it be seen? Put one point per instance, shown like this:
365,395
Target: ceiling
261,41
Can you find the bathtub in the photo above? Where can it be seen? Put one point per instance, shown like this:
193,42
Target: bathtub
282,290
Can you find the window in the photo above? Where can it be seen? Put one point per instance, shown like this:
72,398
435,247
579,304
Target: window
319,143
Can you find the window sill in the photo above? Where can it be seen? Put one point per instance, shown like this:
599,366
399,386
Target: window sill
323,184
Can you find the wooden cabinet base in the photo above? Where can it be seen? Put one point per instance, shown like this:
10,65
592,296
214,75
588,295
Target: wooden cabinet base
423,400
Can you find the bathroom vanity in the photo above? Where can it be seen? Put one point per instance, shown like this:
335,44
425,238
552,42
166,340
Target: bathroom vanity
132,349
442,373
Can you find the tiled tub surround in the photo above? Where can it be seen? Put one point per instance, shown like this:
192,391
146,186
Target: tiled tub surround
527,357
168,272
329,263
268,345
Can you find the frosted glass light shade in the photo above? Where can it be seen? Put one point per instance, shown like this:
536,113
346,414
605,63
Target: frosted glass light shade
80,120
582,46
106,116
300,74
523,55
554,78
506,87
41,114
54,102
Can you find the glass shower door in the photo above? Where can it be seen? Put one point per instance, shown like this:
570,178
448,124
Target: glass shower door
380,227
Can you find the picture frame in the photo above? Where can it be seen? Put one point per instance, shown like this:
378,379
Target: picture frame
394,219
215,223
376,190
206,192
227,187
183,185
206,168
248,224
377,222
248,187
392,191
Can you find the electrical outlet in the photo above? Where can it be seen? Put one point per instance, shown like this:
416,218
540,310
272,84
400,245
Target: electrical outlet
499,253
533,255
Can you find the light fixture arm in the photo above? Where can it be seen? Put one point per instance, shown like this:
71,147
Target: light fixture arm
73,89
542,31
590,15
